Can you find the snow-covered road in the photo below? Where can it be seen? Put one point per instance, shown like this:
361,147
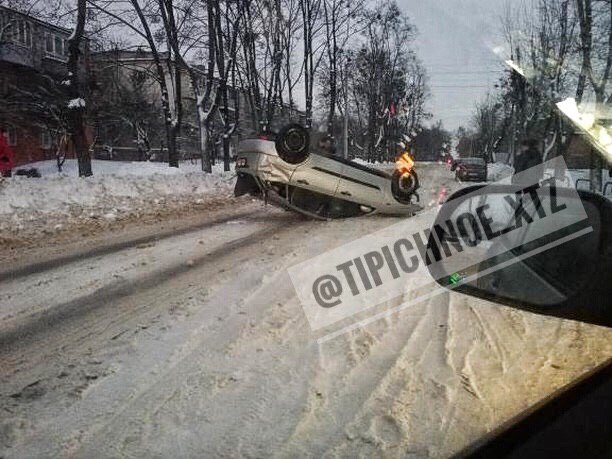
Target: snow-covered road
193,344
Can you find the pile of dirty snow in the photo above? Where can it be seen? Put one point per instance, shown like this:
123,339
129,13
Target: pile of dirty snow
115,190
122,168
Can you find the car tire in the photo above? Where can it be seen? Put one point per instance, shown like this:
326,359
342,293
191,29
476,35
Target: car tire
403,188
293,143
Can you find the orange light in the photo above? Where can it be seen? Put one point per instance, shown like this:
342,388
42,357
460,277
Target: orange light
404,163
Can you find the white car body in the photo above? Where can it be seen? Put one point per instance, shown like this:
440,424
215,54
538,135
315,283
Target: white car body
334,177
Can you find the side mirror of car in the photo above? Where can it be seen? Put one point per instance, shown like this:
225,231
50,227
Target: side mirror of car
546,252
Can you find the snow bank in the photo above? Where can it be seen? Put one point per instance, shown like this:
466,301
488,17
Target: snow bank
116,187
382,165
119,168
500,172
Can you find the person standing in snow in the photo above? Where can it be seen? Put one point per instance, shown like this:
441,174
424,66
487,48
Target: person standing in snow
529,159
7,157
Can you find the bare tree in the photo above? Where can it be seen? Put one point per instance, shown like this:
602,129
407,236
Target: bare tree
264,69
489,124
77,104
226,26
595,19
206,102
381,84
341,21
138,19
123,104
566,49
311,26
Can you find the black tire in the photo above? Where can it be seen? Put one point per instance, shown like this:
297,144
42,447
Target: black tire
404,186
293,143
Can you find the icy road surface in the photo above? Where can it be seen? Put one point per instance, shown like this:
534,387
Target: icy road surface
193,343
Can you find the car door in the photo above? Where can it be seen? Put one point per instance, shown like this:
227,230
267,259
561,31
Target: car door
318,173
361,186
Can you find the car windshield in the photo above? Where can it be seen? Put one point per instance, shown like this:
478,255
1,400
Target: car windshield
214,219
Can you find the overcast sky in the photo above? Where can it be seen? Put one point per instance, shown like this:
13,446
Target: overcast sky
455,43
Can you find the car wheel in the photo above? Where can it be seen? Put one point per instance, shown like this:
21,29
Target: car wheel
292,144
404,185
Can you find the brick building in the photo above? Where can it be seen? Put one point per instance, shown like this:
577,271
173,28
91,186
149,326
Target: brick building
123,97
33,56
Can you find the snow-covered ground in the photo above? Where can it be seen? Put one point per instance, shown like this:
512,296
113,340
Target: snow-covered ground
195,345
118,168
113,181
115,191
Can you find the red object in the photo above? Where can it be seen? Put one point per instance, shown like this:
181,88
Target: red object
392,109
7,157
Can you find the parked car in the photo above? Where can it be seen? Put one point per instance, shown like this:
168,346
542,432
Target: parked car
470,169
288,173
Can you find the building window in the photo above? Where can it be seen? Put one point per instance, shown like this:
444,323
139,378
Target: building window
56,45
59,46
11,135
46,140
49,43
22,33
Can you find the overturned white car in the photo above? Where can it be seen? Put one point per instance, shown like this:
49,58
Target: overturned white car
287,173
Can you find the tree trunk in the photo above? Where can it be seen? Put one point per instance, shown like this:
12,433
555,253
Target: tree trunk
173,154
169,121
76,105
226,153
585,21
206,164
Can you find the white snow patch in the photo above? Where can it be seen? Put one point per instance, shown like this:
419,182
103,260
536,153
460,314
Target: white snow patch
76,103
498,171
116,187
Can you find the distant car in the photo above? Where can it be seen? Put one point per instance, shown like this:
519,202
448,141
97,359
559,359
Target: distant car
470,169
324,186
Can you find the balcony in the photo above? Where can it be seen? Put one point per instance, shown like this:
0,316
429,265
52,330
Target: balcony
16,54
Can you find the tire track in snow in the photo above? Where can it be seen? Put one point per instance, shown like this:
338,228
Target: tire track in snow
420,372
48,265
491,338
255,398
29,329
226,263
347,386
106,295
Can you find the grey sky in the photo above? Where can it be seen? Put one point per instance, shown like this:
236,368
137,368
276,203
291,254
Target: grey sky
455,43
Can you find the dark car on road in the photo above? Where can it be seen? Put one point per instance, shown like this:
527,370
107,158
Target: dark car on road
470,169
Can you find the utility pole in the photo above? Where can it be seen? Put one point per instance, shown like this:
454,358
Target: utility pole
345,137
346,115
